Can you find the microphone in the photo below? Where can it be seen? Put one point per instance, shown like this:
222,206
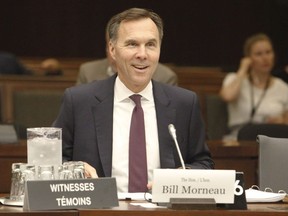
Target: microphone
172,132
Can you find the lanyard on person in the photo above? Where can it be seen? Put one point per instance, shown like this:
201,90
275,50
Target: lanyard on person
255,106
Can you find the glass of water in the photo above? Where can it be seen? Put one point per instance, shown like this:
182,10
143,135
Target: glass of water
44,146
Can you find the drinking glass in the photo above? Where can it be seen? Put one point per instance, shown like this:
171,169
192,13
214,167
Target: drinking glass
46,172
27,173
66,171
15,181
79,171
44,146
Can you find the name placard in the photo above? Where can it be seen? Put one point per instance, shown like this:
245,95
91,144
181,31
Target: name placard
179,183
70,194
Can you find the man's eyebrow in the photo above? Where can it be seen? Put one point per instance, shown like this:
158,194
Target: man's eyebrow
130,40
152,40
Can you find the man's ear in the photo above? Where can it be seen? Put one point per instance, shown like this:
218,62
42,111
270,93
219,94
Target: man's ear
111,50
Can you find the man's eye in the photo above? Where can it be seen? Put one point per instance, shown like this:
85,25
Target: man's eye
151,44
132,44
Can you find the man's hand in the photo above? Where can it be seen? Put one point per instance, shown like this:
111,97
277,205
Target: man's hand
90,171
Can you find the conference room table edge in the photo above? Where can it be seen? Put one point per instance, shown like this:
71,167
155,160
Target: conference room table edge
132,208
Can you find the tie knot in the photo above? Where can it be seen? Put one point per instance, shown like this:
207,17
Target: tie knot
136,98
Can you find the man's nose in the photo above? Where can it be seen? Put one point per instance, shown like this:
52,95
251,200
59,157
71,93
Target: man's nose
141,52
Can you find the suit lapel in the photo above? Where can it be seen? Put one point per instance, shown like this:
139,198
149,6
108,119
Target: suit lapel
165,115
103,119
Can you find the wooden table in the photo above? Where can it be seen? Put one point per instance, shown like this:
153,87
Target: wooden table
241,156
125,208
12,211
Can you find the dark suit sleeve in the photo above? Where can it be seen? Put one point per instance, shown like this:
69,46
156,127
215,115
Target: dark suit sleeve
196,153
65,121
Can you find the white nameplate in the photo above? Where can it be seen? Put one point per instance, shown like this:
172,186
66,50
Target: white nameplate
70,194
189,183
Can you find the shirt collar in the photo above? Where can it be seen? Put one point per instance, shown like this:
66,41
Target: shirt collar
122,93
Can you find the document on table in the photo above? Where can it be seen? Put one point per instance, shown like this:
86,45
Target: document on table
139,197
254,195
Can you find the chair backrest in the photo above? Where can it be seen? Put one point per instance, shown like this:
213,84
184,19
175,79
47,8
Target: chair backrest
251,131
273,162
35,109
216,116
8,134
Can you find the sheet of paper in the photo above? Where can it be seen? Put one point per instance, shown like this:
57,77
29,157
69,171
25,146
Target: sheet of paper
253,195
147,205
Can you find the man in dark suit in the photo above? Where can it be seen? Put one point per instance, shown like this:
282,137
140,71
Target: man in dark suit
95,118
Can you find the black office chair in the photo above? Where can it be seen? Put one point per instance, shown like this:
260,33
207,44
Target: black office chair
251,131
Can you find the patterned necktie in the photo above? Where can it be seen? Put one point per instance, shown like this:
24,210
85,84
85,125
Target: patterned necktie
138,176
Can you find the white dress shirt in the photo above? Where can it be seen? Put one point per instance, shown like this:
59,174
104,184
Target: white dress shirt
123,107
274,103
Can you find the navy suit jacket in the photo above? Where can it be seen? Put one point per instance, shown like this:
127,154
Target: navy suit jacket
86,119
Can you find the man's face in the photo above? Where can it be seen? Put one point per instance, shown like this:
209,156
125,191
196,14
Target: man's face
136,52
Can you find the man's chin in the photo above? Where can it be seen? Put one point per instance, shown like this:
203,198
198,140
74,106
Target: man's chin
141,81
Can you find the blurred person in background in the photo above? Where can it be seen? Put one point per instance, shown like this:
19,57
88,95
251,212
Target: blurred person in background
253,94
9,65
51,67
